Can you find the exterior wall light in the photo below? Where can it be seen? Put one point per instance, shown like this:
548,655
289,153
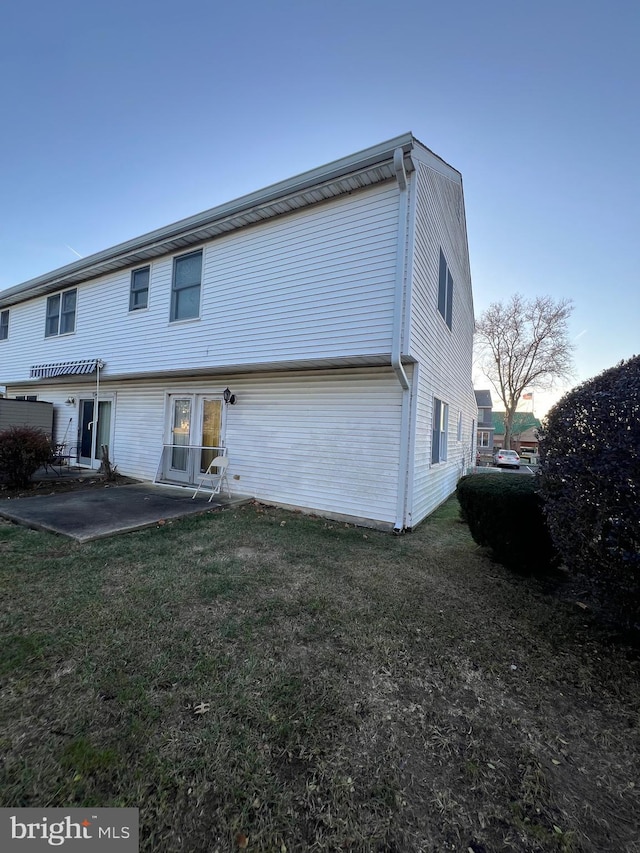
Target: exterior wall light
70,401
228,397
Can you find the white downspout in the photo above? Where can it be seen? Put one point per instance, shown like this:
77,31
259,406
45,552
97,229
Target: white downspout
94,423
396,343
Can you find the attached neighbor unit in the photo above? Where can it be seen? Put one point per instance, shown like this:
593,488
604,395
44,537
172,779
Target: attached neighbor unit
335,310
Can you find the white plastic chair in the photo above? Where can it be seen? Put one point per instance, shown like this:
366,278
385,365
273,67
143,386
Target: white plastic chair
215,476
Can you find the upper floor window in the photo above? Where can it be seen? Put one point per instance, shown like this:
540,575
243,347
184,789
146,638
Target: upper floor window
439,432
61,313
445,291
139,293
4,325
185,286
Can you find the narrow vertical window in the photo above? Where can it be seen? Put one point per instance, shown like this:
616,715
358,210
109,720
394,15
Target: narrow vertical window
68,312
53,316
439,431
449,312
185,287
445,291
139,293
442,285
4,325
435,432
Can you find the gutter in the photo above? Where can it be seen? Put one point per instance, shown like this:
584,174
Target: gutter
396,343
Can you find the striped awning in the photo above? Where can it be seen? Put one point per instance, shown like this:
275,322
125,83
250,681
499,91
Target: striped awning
66,368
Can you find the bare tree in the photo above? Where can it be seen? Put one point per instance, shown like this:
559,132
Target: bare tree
524,345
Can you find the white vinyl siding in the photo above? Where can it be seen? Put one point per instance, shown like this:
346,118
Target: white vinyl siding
326,441
316,284
444,355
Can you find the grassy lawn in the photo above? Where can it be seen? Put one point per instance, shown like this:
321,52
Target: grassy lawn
261,680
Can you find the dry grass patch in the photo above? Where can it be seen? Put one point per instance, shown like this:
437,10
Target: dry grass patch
310,686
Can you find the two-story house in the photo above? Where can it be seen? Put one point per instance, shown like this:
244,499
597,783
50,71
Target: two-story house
334,309
485,423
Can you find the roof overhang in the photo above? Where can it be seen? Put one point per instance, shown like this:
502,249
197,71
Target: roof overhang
366,168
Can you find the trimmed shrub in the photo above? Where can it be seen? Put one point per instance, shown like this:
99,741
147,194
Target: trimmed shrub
504,513
22,451
590,479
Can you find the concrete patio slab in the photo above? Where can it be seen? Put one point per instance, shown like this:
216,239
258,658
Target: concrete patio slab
89,514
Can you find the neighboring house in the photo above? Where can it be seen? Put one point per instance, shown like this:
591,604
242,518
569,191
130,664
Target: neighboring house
336,306
485,423
524,437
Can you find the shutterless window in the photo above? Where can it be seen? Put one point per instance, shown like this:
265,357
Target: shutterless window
483,438
4,325
61,313
445,291
439,432
185,287
139,294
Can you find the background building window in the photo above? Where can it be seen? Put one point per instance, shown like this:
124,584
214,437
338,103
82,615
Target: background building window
4,325
139,293
61,314
439,433
185,288
483,438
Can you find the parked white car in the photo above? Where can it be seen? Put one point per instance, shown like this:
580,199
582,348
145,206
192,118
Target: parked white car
506,459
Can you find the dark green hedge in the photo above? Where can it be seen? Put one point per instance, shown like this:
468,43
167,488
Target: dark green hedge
504,513
590,479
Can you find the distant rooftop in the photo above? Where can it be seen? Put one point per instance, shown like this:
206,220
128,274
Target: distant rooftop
522,421
483,399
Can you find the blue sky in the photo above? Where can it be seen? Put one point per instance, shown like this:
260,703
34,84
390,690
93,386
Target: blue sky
123,117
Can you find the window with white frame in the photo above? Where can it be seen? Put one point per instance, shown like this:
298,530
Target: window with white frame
139,292
483,438
185,286
439,432
61,313
4,325
445,291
